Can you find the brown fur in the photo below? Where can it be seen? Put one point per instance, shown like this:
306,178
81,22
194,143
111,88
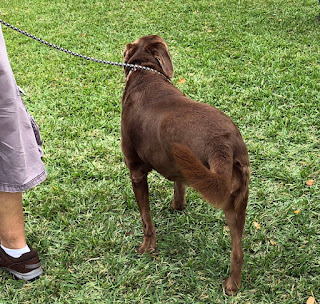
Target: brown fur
186,141
213,187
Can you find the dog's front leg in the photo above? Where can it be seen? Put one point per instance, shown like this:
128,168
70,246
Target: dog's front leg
140,189
179,200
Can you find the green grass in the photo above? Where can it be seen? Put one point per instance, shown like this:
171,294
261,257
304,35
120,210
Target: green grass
259,62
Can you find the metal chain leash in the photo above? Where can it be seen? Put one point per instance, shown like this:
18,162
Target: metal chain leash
131,66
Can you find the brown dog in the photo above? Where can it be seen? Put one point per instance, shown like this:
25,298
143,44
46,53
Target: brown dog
186,141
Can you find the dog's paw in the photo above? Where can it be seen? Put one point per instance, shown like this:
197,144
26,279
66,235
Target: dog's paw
148,245
230,287
178,205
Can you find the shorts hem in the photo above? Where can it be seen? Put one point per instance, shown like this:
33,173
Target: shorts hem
20,188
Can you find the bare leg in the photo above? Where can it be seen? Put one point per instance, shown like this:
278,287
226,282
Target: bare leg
179,201
12,233
140,189
235,222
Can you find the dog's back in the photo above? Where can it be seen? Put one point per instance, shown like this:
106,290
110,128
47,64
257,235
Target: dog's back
175,135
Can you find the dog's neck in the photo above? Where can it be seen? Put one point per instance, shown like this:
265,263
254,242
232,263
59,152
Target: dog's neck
152,71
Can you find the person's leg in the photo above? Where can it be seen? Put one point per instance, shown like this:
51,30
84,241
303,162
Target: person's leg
12,233
16,257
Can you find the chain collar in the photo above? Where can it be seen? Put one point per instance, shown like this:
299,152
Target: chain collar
149,69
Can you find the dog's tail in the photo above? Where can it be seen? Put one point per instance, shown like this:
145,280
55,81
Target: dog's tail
214,188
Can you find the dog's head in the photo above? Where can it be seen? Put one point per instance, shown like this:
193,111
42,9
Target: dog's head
151,51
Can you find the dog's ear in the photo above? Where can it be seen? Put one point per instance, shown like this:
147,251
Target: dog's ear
127,54
161,53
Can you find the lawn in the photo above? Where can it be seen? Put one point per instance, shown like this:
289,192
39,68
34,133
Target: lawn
259,62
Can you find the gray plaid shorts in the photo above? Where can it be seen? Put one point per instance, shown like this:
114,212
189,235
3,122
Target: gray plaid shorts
21,166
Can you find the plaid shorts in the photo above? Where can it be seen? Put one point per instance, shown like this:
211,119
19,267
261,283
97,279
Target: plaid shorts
21,166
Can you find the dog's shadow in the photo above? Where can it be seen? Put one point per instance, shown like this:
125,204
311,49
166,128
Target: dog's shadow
195,239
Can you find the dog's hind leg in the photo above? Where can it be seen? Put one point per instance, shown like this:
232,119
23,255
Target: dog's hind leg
235,213
179,200
235,221
140,189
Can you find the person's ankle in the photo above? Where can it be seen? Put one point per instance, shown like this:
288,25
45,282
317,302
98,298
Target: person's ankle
13,241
